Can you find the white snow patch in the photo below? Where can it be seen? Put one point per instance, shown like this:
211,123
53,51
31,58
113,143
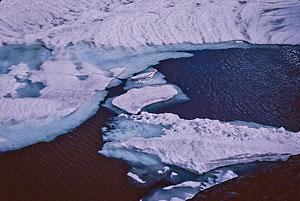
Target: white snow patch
135,99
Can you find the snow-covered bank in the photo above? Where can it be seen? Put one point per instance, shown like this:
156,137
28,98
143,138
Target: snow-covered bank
133,23
200,145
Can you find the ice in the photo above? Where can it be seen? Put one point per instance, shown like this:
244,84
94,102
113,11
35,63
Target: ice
205,144
31,89
191,184
114,83
38,92
164,170
21,134
132,157
125,61
149,77
135,99
156,22
48,94
128,129
135,177
88,54
174,174
32,55
187,189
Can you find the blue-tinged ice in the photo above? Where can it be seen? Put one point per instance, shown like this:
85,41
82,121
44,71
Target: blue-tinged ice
188,189
121,128
31,89
14,136
32,55
146,78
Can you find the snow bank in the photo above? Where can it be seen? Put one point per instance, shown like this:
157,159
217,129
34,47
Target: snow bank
201,145
125,23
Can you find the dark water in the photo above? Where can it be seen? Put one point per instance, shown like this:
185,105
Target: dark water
68,168
259,85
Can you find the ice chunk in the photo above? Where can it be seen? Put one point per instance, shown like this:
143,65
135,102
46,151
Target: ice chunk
135,177
150,77
191,184
164,170
179,98
174,174
187,189
135,99
207,144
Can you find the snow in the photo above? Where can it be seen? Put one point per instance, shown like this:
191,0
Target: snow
135,177
135,99
158,22
204,144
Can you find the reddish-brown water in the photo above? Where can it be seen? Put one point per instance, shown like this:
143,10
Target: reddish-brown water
67,169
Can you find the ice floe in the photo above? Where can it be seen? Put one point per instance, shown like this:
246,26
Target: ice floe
150,77
201,145
187,189
135,177
135,99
